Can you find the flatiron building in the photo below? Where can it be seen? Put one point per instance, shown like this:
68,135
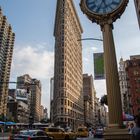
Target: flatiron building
137,5
68,79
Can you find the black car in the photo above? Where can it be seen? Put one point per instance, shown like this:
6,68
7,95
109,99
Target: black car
98,133
31,135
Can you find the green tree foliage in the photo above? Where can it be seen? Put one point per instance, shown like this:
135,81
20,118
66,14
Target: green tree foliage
4,118
104,100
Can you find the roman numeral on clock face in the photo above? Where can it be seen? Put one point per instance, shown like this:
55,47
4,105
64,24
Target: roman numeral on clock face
91,4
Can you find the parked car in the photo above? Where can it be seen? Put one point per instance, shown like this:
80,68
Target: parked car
71,133
99,133
82,132
59,133
30,135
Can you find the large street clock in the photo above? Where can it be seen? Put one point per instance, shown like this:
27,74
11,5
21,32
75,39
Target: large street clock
104,13
98,10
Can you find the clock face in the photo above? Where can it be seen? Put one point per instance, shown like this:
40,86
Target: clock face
102,6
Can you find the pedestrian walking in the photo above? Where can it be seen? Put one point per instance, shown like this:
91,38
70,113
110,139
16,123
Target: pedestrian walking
93,131
130,128
90,133
136,129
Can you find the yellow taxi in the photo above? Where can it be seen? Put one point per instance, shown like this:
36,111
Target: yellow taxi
82,132
72,135
58,133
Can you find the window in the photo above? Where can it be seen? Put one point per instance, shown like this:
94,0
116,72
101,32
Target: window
138,90
138,81
65,102
61,101
41,134
62,70
61,110
65,111
135,72
61,119
138,100
62,84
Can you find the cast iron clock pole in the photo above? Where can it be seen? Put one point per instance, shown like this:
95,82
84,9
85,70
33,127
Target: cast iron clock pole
104,13
112,79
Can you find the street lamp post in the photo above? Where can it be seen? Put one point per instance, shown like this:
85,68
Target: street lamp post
31,121
97,39
86,39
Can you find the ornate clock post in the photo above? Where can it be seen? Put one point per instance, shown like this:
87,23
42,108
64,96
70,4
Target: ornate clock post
104,13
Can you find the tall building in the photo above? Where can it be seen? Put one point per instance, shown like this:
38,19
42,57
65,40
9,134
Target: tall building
137,5
7,38
18,111
97,112
23,82
33,87
133,76
36,99
101,114
41,112
51,98
68,80
46,113
89,100
18,105
125,95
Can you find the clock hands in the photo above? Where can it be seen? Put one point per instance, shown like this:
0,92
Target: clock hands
104,3
102,6
97,10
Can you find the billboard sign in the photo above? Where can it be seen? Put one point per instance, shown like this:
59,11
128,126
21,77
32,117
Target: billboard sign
21,94
99,66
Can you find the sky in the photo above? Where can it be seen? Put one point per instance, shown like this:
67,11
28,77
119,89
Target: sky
33,23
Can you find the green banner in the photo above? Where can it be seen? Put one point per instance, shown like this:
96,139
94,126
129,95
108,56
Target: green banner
99,66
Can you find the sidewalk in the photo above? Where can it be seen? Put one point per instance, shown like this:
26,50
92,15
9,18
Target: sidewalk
4,136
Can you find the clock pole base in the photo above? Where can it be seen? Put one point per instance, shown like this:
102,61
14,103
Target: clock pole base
117,134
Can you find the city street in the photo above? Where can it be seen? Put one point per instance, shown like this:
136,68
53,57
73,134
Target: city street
5,137
89,138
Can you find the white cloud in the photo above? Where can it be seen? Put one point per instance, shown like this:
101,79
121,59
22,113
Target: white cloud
94,49
38,63
86,59
100,87
31,60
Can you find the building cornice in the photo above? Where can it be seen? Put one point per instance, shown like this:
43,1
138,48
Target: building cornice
57,15
78,20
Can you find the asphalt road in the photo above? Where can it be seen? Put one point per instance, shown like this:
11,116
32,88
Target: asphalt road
5,136
90,138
